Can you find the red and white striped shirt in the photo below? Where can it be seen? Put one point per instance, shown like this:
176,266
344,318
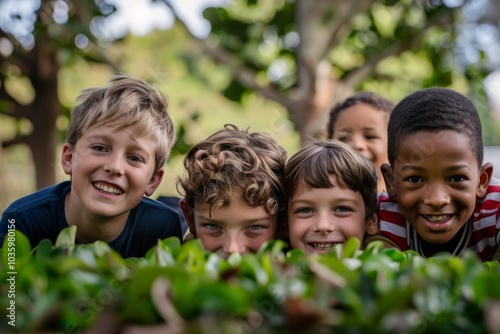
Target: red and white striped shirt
481,233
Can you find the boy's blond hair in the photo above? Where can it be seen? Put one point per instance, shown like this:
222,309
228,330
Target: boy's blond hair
230,159
126,101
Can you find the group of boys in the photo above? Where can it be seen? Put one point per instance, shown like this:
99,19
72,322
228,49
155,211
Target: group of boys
409,175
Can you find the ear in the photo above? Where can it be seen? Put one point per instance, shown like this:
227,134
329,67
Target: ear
187,211
485,173
390,184
372,225
154,182
66,159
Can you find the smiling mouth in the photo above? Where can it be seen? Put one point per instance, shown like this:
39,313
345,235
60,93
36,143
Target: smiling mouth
106,189
322,245
437,218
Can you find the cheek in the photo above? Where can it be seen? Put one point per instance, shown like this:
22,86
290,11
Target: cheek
296,231
256,242
354,227
294,227
210,243
379,150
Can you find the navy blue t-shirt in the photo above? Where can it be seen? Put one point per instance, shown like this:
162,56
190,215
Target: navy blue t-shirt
40,215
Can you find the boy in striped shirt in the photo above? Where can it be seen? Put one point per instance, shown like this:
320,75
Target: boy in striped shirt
440,196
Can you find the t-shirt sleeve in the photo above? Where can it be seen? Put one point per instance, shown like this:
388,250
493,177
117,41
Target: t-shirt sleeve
10,222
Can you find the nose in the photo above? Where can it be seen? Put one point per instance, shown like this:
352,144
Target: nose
436,196
114,165
323,224
358,142
233,244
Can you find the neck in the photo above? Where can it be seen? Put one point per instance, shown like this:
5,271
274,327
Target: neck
432,249
92,227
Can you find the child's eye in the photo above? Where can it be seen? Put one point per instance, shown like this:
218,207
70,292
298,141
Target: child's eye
458,178
371,137
99,148
343,209
135,158
211,226
414,179
256,227
344,138
303,210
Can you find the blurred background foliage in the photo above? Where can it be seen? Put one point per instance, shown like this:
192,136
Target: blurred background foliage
274,66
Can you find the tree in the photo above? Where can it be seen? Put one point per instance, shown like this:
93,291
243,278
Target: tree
303,54
306,55
36,54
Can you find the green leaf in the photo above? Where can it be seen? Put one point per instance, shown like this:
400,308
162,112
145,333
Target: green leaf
485,287
66,237
351,247
16,251
173,243
44,249
234,259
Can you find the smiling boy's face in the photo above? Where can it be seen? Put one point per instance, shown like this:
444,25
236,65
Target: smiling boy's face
319,218
235,228
436,180
110,171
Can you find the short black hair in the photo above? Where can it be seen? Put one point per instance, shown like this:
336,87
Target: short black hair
368,98
434,109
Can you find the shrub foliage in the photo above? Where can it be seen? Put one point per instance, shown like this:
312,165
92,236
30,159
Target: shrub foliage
72,288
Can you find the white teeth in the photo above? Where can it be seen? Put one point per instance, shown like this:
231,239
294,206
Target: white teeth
437,218
322,246
107,189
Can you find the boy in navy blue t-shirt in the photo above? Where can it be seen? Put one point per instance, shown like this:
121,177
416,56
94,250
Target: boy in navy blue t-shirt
116,145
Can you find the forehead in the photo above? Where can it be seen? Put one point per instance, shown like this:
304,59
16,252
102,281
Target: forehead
302,186
126,136
235,213
434,147
109,128
362,114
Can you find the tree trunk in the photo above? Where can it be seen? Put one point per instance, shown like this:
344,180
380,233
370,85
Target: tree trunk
45,110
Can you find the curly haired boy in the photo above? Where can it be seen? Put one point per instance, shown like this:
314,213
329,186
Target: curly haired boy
233,190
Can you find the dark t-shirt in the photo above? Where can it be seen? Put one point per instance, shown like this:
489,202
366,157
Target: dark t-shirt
40,215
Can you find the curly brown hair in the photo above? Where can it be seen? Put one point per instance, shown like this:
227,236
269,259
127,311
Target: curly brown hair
232,158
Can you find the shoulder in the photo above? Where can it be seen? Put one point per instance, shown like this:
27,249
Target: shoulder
386,242
491,200
40,199
389,211
152,220
154,206
493,190
152,215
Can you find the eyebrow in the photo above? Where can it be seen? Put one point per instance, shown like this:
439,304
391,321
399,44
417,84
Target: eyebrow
340,201
350,129
94,137
449,169
246,221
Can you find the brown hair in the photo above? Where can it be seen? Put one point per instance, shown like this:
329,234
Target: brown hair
368,98
233,158
314,164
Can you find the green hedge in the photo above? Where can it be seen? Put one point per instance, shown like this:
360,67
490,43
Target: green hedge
183,289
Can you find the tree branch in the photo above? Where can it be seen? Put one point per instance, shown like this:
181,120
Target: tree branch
368,67
244,75
19,139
